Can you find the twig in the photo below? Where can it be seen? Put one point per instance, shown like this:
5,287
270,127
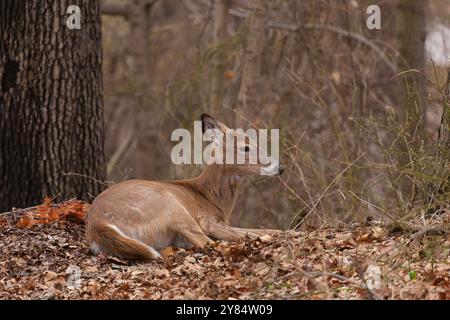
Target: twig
326,190
360,284
85,176
426,230
117,155
404,72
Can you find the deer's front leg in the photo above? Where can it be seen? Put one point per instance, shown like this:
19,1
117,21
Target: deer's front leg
193,233
222,231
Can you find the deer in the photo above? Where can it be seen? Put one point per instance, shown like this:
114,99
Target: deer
135,218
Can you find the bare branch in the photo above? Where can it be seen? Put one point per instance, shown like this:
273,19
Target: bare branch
293,28
114,8
242,13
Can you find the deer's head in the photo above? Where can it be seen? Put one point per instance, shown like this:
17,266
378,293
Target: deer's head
241,152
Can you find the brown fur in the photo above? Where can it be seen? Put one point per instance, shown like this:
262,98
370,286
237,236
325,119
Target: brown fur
113,242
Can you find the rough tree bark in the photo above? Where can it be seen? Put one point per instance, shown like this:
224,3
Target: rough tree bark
51,116
251,73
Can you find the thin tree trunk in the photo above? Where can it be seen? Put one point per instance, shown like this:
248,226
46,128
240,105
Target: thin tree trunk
51,107
221,8
149,154
411,23
444,141
251,73
411,33
444,129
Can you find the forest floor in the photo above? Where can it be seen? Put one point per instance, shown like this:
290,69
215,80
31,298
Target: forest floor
51,260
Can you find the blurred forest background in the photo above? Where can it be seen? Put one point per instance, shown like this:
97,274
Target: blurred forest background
360,111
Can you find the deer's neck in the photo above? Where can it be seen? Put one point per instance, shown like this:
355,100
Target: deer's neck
219,187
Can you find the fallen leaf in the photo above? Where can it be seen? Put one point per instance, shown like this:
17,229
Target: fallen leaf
261,269
50,275
266,238
167,252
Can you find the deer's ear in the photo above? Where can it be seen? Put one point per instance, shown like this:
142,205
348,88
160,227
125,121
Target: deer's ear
208,122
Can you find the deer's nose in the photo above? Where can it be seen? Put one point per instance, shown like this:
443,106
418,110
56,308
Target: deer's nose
280,169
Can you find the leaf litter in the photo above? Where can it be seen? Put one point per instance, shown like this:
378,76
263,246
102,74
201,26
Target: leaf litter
43,255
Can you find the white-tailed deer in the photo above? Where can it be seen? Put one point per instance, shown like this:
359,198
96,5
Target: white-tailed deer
135,218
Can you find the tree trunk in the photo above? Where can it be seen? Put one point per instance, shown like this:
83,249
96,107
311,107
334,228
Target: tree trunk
444,128
411,33
251,73
443,159
51,108
149,154
147,118
221,8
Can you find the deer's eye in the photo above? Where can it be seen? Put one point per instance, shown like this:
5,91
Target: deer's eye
246,149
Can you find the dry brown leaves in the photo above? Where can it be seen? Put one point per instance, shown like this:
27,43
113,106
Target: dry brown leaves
52,261
46,213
